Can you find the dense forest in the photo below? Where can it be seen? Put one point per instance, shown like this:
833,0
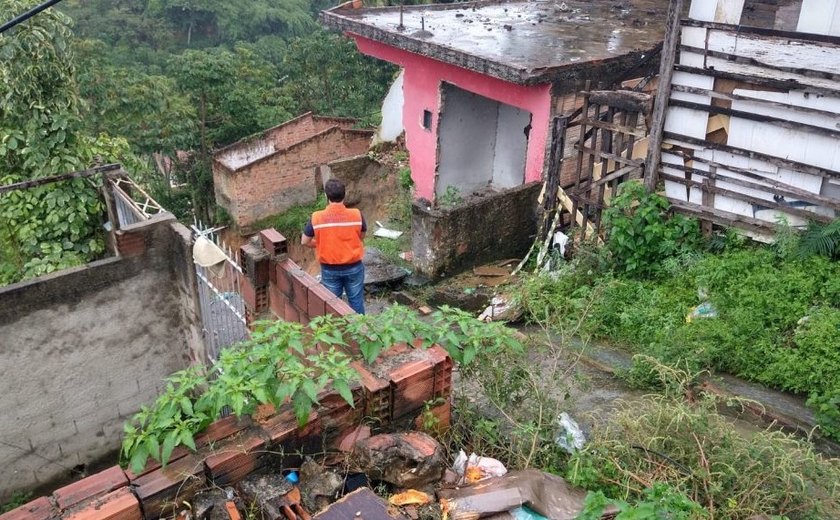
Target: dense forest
96,81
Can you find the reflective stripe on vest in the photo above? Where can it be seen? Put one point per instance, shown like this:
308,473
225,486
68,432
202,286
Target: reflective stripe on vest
338,235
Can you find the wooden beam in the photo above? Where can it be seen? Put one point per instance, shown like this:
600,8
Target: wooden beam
775,161
708,200
617,158
663,92
737,97
724,217
764,183
81,174
832,41
761,118
744,60
804,213
777,84
617,128
627,100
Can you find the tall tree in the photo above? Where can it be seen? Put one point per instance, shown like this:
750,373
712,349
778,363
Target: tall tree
234,95
55,225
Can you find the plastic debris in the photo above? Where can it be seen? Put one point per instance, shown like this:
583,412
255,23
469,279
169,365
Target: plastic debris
704,310
559,241
570,437
410,497
500,309
526,513
543,493
384,232
474,468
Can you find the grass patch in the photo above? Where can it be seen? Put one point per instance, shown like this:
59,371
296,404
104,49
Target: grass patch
17,499
290,223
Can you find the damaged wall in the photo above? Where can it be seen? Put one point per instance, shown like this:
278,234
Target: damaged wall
82,349
484,228
481,142
421,88
272,172
751,123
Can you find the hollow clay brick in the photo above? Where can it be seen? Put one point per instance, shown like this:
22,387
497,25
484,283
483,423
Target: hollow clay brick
93,486
117,505
39,509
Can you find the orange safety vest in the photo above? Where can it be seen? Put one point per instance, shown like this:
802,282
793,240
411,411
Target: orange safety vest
338,234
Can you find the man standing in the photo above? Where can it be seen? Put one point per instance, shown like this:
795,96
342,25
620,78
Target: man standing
337,233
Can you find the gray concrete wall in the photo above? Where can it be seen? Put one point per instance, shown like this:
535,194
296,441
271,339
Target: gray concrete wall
82,349
511,147
484,228
466,141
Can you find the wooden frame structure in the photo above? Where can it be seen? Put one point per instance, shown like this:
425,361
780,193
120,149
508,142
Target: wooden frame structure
745,132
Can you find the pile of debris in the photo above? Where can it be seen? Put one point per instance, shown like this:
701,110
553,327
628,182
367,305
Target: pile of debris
401,476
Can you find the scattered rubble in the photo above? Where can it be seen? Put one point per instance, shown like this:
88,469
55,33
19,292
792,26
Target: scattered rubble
406,460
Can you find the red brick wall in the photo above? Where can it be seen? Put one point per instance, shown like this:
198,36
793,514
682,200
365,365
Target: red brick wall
286,178
392,394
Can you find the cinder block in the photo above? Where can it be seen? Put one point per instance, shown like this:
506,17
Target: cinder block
93,486
277,301
255,264
376,391
412,385
442,422
117,505
39,509
301,282
131,244
284,282
249,293
222,429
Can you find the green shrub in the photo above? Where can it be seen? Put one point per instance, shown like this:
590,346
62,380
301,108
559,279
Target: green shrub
698,452
641,233
661,502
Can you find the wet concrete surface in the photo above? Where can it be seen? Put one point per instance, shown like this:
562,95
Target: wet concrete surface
532,37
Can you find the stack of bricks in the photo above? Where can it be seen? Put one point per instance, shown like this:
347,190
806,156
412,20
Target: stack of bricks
232,448
392,393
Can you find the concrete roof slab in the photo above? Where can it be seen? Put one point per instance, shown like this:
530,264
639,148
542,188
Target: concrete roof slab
524,42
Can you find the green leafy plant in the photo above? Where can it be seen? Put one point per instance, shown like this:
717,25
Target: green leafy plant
659,502
820,239
642,233
286,362
450,197
281,362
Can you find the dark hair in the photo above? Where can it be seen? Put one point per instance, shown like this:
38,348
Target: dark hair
334,189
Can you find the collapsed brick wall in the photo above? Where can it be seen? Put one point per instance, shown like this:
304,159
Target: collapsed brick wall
391,393
82,349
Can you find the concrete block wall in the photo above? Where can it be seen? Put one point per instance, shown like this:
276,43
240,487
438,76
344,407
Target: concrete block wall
391,395
493,227
82,349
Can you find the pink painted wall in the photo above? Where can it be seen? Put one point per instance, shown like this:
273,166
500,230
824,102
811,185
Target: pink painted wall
421,91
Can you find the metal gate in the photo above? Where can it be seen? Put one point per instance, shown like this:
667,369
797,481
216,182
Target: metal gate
222,307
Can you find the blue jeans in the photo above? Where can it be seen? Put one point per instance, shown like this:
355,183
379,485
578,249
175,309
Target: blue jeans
350,279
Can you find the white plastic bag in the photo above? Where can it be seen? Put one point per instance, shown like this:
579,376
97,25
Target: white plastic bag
570,437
